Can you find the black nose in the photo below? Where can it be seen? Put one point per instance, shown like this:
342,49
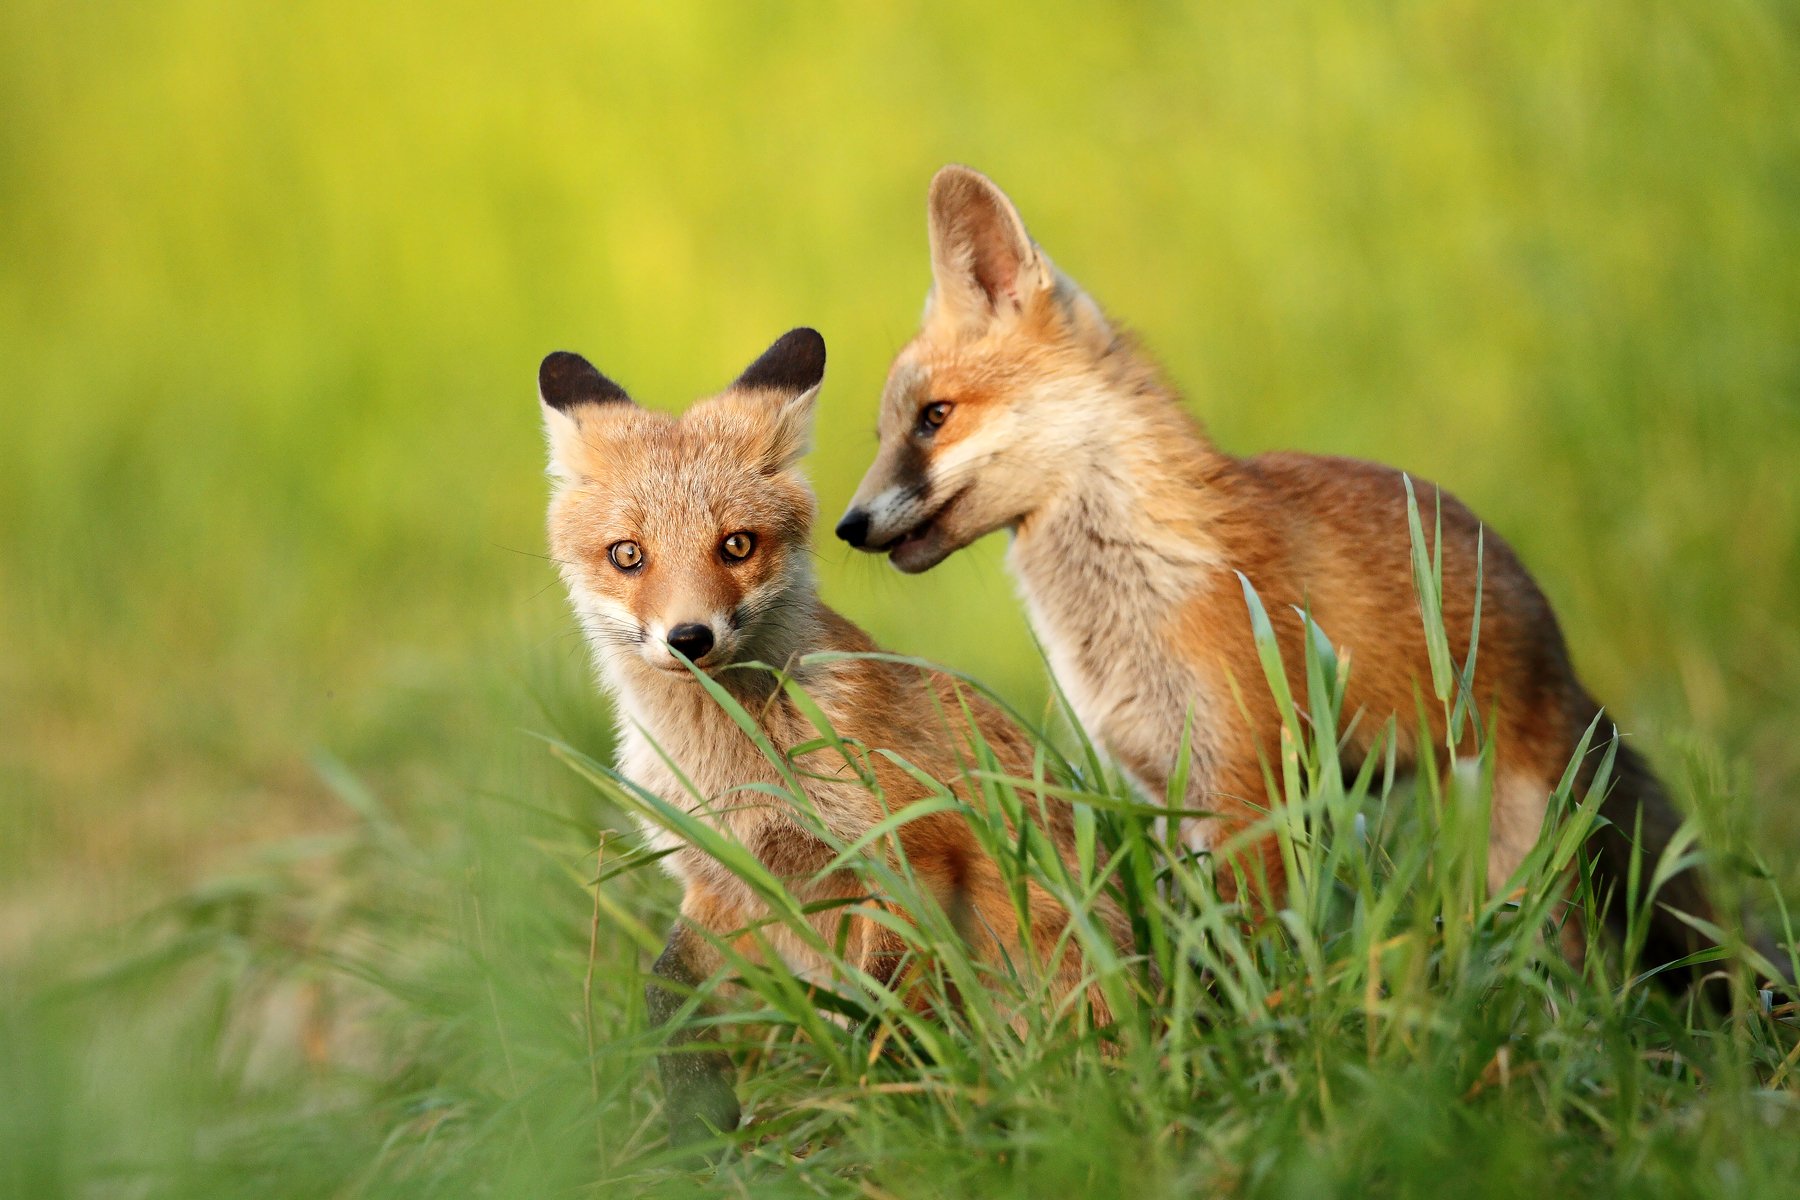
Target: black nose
692,640
854,528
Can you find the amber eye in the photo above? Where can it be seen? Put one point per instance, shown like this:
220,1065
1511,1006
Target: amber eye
627,556
932,416
738,546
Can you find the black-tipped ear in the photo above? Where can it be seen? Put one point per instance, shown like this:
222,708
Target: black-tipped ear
794,364
566,380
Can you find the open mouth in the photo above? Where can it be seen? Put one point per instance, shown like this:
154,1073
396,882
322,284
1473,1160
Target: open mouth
914,549
911,537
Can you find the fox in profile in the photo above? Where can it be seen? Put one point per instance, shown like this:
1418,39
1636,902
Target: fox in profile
1021,406
684,545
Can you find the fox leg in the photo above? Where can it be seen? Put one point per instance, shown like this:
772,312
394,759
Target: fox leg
1515,819
1250,872
1528,767
882,954
697,1086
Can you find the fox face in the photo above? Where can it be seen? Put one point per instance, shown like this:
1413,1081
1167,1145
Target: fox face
986,412
683,537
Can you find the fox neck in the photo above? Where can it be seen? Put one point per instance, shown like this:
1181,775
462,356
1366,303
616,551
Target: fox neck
1108,559
1146,487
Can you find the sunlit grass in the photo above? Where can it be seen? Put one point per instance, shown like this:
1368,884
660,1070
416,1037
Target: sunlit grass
385,1017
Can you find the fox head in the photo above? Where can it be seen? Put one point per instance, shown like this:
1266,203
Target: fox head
684,537
983,416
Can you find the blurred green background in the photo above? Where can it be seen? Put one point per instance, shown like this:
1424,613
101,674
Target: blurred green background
274,281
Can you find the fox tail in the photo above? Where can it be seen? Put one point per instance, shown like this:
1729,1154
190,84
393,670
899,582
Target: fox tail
1641,821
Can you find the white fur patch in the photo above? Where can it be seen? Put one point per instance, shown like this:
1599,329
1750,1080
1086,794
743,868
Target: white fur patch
886,510
1516,818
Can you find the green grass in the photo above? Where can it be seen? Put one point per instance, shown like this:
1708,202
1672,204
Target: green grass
377,1017
275,638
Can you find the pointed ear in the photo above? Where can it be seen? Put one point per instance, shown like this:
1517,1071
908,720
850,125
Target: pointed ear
568,386
566,380
787,374
982,260
795,363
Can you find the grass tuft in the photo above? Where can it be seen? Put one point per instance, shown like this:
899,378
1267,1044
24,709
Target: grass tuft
388,1015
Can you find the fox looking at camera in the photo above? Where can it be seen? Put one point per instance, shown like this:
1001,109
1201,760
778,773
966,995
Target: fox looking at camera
684,545
1021,406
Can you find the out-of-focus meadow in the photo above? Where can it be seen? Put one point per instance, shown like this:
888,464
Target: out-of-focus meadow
274,281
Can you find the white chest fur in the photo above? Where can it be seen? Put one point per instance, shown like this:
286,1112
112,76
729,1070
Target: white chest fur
1102,603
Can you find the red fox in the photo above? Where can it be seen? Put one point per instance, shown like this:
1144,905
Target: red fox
684,544
1021,406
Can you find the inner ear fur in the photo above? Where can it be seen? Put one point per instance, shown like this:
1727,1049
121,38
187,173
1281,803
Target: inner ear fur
788,373
569,389
982,259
